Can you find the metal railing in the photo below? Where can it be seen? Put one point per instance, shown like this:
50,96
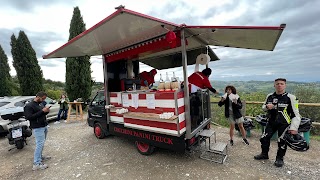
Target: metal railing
260,103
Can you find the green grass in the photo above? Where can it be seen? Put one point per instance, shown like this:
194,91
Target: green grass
315,137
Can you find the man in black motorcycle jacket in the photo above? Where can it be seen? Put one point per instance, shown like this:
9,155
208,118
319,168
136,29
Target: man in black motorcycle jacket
283,115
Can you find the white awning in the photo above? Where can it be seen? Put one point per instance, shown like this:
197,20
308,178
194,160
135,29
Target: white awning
125,29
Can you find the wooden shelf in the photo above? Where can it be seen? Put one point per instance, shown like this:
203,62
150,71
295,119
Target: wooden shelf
148,116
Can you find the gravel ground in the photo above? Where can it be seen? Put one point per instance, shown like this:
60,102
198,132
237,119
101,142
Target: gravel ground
77,154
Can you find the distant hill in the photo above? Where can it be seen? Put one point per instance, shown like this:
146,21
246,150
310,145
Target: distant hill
261,86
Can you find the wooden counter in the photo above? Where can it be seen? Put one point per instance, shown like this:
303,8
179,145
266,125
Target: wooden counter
148,116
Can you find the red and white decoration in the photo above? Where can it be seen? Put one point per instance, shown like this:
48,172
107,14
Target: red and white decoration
164,102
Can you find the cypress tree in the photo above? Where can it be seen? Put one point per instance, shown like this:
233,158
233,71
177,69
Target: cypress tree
5,78
26,64
78,71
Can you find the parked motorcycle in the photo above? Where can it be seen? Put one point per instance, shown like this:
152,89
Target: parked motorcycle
18,128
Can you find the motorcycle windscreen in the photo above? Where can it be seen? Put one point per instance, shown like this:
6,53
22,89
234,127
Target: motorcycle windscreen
13,113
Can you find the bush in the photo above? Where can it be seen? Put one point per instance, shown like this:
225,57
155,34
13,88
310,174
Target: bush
54,94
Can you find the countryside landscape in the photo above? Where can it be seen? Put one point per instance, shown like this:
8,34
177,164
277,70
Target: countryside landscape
306,92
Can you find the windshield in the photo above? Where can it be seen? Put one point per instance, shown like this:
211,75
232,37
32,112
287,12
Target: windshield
48,100
3,103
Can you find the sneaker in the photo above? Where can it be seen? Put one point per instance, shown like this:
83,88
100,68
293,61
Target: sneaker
39,166
246,141
45,158
231,142
279,162
261,156
57,122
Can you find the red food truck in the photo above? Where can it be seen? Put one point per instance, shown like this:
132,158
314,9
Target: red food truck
127,38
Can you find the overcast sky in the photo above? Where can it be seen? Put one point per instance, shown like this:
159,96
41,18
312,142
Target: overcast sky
296,56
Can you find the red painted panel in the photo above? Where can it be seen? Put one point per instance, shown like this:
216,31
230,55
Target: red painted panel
158,95
152,46
116,104
182,124
146,110
158,110
156,124
113,94
181,109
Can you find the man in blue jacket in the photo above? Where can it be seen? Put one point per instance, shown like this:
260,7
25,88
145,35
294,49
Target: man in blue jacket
36,113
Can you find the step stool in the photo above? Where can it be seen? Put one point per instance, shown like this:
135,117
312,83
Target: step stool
206,134
216,152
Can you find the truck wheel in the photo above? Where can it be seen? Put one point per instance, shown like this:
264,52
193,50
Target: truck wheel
20,144
98,132
144,148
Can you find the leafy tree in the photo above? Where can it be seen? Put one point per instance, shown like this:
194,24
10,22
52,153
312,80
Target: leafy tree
26,64
78,72
15,87
5,78
54,94
309,94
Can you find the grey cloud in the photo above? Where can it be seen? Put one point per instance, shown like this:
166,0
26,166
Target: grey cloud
296,54
37,39
5,35
165,12
51,62
30,5
96,60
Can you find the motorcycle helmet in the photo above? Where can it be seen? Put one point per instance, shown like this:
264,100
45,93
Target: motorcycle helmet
262,119
305,125
296,142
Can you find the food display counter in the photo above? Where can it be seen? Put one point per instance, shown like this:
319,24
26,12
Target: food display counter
144,110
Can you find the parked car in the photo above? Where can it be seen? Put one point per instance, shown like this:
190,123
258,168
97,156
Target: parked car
21,101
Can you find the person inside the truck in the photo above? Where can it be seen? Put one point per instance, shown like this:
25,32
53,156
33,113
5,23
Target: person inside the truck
147,78
198,80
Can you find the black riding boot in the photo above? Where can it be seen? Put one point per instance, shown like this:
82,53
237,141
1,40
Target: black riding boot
261,156
279,162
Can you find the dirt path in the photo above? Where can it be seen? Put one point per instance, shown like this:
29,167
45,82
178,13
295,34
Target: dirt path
77,154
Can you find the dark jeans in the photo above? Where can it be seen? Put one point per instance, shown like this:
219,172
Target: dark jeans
271,128
64,111
195,110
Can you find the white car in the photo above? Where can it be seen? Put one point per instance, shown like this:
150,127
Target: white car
21,101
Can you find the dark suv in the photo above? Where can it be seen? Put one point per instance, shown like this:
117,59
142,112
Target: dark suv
97,117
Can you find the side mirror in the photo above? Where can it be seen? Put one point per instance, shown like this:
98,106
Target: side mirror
87,102
53,102
94,103
103,102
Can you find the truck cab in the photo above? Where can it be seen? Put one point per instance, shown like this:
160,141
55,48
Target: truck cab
97,117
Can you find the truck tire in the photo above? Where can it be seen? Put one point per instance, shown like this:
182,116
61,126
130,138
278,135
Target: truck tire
98,132
20,144
144,148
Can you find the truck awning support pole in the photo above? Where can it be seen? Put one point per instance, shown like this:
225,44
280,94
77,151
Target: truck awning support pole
107,98
186,89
